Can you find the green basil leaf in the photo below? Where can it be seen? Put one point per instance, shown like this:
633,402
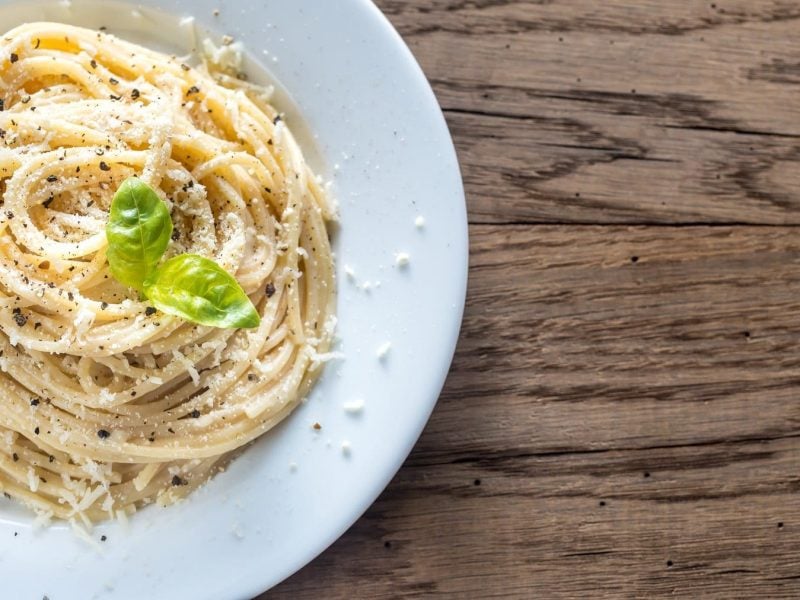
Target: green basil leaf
138,231
201,291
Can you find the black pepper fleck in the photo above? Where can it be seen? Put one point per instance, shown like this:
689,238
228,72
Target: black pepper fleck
103,434
150,311
270,290
19,318
104,166
13,58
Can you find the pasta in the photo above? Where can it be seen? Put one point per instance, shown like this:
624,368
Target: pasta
106,404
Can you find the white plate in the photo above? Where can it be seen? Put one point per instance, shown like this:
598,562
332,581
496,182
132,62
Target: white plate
374,117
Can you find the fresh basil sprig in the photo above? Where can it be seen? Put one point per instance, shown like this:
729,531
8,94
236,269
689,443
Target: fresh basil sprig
189,286
201,291
138,232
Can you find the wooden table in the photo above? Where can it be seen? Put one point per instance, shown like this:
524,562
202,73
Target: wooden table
622,418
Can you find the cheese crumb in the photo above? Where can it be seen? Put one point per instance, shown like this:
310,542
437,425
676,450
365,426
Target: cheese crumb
346,448
383,350
351,274
354,407
402,259
419,222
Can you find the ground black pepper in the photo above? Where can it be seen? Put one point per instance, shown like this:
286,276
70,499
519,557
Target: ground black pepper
104,166
270,289
150,311
13,58
19,318
103,434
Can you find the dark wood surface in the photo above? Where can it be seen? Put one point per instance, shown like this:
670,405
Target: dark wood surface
622,418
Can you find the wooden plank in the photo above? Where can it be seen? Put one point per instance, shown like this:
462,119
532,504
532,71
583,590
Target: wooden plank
621,420
617,112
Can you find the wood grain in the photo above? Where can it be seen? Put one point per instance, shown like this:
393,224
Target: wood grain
570,111
621,419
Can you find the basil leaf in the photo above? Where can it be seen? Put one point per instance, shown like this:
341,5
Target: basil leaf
201,291
138,231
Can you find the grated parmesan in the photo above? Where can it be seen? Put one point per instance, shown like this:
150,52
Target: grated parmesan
402,259
354,407
383,350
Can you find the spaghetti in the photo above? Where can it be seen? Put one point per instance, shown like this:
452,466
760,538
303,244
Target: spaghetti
106,404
